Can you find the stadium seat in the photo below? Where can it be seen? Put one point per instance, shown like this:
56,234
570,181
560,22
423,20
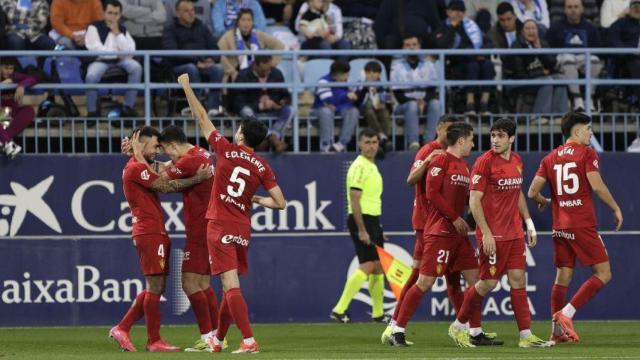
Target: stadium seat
289,71
315,69
357,69
70,72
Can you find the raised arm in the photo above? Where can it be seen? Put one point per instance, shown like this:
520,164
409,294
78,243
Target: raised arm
198,111
275,200
602,191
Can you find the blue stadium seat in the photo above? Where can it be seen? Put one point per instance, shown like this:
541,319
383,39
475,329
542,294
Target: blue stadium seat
315,69
289,71
357,69
69,71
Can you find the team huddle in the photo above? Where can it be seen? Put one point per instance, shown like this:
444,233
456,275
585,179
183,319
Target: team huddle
217,221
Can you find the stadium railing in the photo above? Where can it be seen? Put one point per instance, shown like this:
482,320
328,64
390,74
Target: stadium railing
543,137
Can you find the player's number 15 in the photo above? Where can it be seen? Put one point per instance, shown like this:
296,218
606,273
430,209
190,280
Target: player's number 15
563,175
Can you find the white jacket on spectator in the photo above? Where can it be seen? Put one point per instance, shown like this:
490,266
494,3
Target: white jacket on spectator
334,15
402,71
539,11
120,42
144,18
612,10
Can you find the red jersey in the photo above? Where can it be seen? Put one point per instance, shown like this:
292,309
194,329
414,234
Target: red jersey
144,203
239,172
566,168
196,198
419,202
501,181
447,193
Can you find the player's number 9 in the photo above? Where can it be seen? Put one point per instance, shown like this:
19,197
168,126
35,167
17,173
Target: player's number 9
563,175
238,180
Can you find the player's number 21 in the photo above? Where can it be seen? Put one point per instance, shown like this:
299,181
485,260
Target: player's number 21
238,180
563,175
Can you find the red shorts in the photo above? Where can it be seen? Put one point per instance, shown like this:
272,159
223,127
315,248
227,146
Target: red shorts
585,243
196,257
509,255
447,254
154,251
417,249
228,245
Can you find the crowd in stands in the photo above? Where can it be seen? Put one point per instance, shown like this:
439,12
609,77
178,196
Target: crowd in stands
125,25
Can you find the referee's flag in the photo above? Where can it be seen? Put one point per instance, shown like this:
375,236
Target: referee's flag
396,271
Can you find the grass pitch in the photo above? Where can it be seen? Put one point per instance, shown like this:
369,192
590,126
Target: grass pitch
599,340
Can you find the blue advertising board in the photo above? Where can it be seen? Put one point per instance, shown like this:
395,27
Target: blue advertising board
67,257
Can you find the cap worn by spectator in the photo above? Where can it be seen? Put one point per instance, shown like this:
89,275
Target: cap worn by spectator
459,5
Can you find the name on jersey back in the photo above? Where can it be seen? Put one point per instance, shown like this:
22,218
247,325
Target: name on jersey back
245,156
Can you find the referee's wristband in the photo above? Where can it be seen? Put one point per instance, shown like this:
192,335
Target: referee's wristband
530,226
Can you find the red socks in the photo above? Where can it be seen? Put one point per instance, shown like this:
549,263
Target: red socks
152,316
471,308
558,298
456,295
239,312
521,310
224,318
409,305
200,305
135,312
410,281
588,290
213,307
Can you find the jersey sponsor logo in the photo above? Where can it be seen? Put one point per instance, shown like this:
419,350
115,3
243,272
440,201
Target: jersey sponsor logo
435,171
176,170
564,234
595,163
570,203
566,151
229,200
25,201
238,239
457,179
245,156
509,183
145,175
476,179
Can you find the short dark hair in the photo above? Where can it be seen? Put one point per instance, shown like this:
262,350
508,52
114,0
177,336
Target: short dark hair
340,67
373,66
254,131
244,12
8,60
504,7
570,119
412,35
147,131
504,124
183,1
174,134
262,59
114,3
448,118
368,132
457,130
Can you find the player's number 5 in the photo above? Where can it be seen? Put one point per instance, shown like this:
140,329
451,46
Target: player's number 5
238,180
563,175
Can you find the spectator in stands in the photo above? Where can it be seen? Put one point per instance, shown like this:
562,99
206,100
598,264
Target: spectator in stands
398,18
262,103
245,37
279,10
202,10
613,10
21,116
482,12
460,32
505,31
109,35
189,33
225,14
320,23
575,32
70,19
591,11
144,20
548,98
372,102
414,101
625,33
26,23
532,9
332,100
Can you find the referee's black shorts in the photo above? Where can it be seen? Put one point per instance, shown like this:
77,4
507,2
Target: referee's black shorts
372,224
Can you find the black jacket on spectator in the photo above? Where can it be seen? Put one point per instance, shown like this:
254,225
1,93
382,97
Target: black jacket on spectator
3,29
561,34
497,35
251,97
401,17
527,66
358,8
178,37
624,33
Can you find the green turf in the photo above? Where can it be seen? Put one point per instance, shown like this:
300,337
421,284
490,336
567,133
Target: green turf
615,339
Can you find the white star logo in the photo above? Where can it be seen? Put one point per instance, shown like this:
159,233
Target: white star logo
29,200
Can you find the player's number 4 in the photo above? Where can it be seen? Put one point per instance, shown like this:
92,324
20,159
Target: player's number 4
563,175
238,180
